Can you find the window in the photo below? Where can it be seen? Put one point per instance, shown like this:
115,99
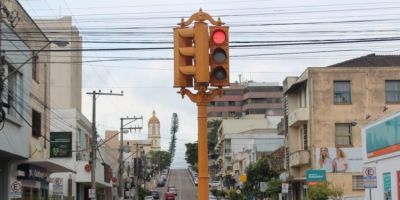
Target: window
358,182
231,103
36,123
153,129
343,135
392,91
302,98
14,92
342,92
35,69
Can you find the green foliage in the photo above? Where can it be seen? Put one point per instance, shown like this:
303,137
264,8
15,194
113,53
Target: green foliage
161,159
233,195
143,193
274,188
257,172
191,153
174,130
218,193
324,191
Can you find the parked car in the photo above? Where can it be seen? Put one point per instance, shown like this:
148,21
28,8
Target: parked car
169,196
160,182
155,194
196,181
148,198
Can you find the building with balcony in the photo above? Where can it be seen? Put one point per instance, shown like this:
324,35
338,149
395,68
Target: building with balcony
325,109
248,98
242,141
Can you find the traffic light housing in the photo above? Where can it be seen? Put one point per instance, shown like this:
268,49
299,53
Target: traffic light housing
191,55
219,56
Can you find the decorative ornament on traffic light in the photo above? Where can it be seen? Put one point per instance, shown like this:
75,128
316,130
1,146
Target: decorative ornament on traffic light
191,63
219,56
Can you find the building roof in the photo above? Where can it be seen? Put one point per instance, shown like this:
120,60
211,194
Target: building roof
371,60
154,119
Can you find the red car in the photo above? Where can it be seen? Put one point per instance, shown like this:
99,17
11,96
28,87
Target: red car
169,196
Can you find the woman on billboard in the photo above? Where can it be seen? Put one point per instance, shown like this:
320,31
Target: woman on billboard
340,164
325,161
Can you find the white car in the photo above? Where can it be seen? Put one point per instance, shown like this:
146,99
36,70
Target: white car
148,198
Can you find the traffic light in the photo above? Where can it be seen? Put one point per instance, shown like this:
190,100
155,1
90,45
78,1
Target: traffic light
219,56
191,55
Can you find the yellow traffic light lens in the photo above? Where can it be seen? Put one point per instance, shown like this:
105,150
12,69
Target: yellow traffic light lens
219,73
219,37
219,55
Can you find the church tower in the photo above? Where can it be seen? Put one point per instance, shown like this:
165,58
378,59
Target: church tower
154,132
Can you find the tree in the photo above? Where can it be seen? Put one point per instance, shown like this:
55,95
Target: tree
257,172
324,191
174,130
191,153
274,188
160,159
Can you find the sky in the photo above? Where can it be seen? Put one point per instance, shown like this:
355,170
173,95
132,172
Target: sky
270,40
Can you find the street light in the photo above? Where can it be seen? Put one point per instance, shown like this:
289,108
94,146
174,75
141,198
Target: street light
59,43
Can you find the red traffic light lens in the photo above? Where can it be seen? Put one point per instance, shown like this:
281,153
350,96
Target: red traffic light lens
219,37
219,55
219,73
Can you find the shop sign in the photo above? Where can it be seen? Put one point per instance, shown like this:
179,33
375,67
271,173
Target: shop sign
92,193
387,186
31,172
60,144
316,175
285,188
16,189
58,186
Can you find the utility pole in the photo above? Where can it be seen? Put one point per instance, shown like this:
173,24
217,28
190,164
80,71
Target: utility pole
94,137
121,144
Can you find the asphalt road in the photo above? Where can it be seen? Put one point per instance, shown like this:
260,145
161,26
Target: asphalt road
183,183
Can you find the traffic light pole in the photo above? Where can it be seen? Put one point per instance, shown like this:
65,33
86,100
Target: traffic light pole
202,98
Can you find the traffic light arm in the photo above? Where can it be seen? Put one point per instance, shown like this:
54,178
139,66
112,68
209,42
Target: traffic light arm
201,17
202,96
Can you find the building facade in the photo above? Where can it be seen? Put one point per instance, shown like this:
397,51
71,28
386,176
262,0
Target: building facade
325,109
247,99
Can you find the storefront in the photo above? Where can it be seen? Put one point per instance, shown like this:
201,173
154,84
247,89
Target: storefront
381,142
34,178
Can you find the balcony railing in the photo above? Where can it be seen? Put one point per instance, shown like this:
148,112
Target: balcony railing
299,158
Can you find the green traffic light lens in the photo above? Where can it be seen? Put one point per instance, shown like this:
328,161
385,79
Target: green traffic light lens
219,55
219,73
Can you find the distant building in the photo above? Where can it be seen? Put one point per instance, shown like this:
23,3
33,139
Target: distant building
154,137
325,109
247,99
243,141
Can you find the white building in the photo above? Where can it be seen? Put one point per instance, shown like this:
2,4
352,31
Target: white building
242,141
381,150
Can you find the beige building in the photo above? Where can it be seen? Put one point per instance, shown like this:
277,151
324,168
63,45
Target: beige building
325,110
65,67
154,136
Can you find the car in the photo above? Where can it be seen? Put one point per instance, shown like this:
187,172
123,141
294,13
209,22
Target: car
196,181
214,184
164,177
155,194
212,197
148,198
173,190
169,196
160,182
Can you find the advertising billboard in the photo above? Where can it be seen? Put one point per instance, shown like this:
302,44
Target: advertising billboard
339,160
383,138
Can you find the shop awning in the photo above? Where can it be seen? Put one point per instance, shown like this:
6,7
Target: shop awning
51,166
